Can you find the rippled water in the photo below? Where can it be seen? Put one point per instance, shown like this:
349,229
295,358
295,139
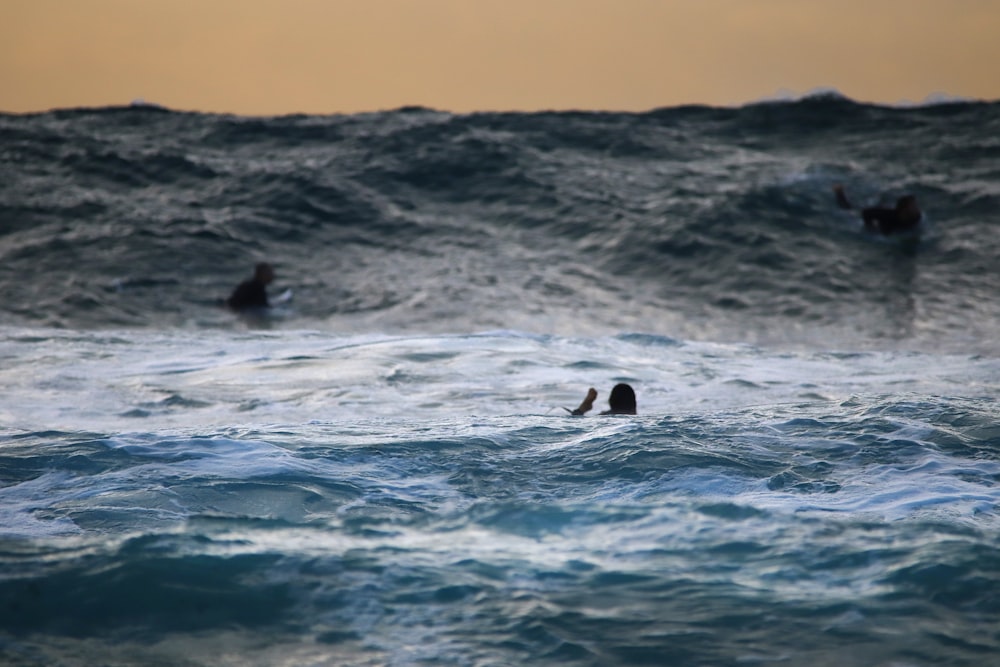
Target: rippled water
302,498
381,470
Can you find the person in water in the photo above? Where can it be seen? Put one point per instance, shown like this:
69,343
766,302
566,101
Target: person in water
252,293
621,401
903,218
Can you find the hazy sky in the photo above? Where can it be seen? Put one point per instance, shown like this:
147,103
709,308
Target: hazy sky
328,56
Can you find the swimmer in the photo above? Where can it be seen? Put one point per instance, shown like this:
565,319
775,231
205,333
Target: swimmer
252,293
903,218
621,401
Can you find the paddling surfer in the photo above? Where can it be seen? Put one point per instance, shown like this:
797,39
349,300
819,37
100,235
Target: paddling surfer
903,218
252,293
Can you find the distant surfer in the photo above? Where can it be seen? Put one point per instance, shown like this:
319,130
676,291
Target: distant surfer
621,401
905,217
252,293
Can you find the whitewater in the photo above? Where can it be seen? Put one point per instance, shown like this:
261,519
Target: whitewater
382,469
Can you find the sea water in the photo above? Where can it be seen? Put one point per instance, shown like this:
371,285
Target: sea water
383,470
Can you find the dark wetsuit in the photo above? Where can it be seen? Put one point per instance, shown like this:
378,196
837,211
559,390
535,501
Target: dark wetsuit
903,218
249,294
888,220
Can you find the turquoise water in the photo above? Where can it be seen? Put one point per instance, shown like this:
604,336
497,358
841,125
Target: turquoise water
306,498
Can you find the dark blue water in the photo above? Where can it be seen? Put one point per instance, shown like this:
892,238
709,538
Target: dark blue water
380,470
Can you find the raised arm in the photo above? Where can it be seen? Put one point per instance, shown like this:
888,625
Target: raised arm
587,405
842,201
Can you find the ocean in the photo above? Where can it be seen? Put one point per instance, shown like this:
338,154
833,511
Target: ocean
382,468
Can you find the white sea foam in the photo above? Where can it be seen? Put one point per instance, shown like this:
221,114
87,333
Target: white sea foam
203,380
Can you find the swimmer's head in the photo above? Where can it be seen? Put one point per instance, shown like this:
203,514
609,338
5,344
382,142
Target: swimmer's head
622,400
907,207
264,273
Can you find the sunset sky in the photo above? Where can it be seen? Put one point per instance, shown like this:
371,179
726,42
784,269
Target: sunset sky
341,56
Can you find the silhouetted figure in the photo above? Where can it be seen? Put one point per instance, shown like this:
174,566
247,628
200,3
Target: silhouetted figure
621,401
903,218
252,293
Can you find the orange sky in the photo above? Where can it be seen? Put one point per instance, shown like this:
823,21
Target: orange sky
328,56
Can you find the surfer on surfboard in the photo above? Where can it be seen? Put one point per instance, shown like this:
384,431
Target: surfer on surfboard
903,218
252,293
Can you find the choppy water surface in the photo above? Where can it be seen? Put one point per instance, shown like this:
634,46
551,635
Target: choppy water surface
381,472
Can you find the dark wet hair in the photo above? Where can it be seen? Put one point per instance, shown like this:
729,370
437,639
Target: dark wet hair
622,400
263,271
